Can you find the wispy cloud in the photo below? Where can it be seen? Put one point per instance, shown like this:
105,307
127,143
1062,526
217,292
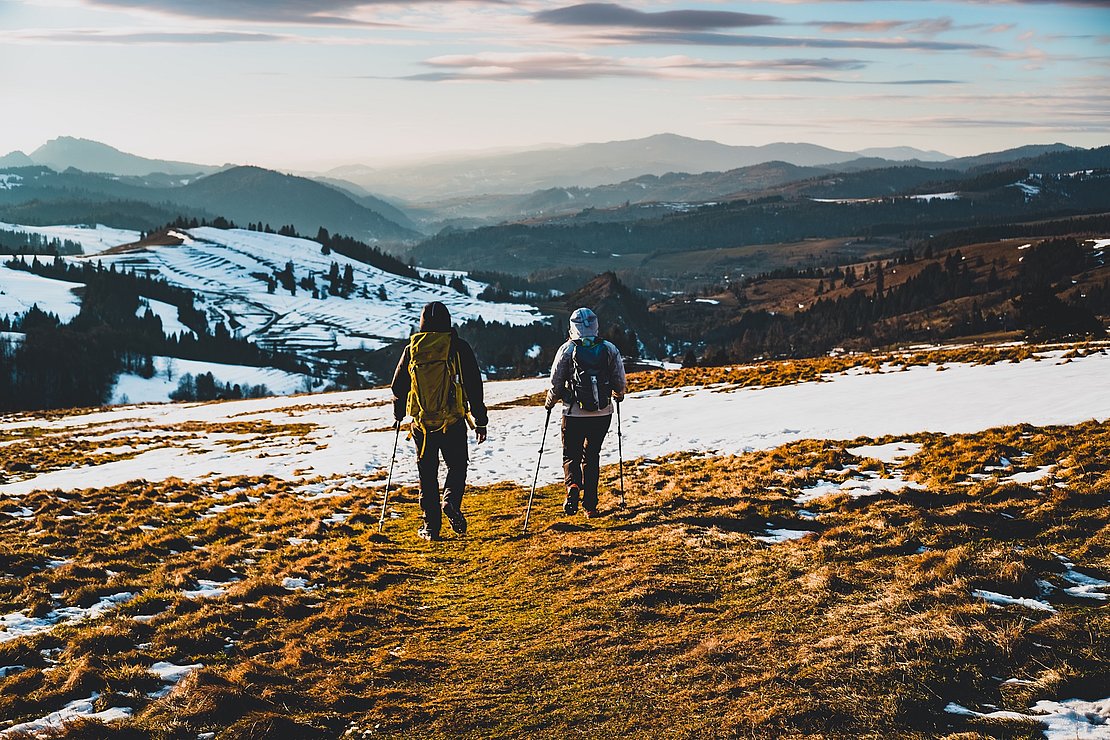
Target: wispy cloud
921,27
509,67
612,15
902,123
135,37
290,12
694,38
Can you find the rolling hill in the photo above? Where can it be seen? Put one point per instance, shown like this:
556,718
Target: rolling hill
233,271
253,194
40,195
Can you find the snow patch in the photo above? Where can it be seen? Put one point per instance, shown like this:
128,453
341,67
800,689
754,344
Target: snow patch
1003,600
776,536
18,624
79,708
889,453
1071,719
171,674
937,196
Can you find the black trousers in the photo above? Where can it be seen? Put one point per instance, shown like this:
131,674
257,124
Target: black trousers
582,438
451,445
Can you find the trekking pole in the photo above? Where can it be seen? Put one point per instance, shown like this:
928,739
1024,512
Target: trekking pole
620,451
389,480
528,511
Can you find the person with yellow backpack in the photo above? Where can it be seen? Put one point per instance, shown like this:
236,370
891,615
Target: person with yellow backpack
438,383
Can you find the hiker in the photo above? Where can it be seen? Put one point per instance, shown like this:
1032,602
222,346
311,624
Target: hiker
438,384
587,375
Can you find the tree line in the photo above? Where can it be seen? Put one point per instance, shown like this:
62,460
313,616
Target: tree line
521,249
62,364
1031,302
23,242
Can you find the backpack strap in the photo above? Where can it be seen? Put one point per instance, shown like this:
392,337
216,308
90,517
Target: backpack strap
460,386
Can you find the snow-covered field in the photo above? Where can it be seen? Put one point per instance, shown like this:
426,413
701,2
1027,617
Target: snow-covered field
227,269
20,290
168,371
91,238
353,436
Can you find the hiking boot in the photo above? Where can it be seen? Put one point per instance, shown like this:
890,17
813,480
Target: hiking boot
455,518
426,534
590,513
570,506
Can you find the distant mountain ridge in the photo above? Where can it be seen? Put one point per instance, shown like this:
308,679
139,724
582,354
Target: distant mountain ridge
241,194
584,165
92,156
496,186
248,194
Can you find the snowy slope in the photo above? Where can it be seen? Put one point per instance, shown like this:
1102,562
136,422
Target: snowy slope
353,436
20,290
168,371
166,313
218,265
91,238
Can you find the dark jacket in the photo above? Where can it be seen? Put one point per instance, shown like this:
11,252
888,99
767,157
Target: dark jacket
471,380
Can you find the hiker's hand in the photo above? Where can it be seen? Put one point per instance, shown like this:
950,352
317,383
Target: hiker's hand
549,401
480,433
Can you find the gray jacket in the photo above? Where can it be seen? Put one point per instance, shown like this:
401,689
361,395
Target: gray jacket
562,372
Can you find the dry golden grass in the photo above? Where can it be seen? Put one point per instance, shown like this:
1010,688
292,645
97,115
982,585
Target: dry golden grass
770,373
662,619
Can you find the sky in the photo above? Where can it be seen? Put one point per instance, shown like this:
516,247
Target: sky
312,84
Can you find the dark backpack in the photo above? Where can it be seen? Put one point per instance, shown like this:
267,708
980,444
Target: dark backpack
591,381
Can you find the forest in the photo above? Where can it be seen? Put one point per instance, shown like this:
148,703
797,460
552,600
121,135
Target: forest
950,296
522,248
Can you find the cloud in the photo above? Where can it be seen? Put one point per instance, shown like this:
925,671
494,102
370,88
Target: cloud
694,38
1048,123
509,67
99,36
612,15
924,27
293,12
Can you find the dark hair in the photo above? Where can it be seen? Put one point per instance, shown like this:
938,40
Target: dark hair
435,317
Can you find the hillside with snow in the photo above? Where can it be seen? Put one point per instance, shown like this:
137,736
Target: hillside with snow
227,269
274,291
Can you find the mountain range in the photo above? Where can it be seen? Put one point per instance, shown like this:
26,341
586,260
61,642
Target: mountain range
92,156
78,181
584,165
241,194
590,165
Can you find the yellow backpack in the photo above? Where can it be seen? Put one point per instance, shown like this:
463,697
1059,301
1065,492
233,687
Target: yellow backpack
436,397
